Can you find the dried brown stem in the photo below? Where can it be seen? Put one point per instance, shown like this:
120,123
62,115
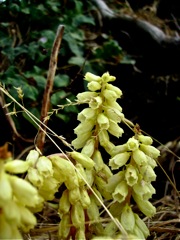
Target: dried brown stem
49,86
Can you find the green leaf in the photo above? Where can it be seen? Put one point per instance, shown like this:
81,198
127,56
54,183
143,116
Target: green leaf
79,61
61,80
56,97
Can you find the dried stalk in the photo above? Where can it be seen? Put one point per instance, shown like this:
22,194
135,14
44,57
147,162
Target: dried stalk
40,140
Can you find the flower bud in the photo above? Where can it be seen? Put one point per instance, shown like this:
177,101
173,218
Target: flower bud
87,113
95,102
32,157
115,89
64,204
85,199
131,175
127,218
81,174
77,215
94,86
72,182
145,139
150,151
44,166
64,166
92,77
144,205
110,229
5,186
89,147
74,196
64,226
103,121
114,129
106,77
35,177
101,186
132,144
93,211
138,233
16,166
80,234
24,191
151,162
82,159
86,96
11,212
84,127
121,191
90,175
5,228
103,137
98,203
28,220
139,157
119,160
98,160
141,225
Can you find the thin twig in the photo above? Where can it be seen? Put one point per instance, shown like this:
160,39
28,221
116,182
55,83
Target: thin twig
40,140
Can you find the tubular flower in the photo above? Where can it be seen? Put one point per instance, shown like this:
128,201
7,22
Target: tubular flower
16,196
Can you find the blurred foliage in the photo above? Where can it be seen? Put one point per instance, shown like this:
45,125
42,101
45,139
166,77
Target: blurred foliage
27,32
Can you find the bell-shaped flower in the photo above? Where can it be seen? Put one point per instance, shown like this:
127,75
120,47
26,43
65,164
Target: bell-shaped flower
81,140
64,226
119,160
84,127
6,228
5,186
87,113
115,89
121,191
16,166
103,137
92,77
95,102
127,218
139,157
64,204
24,191
144,205
151,162
119,149
141,225
132,144
110,95
32,157
35,177
86,96
85,199
89,147
93,210
114,129
106,77
94,86
44,166
81,158
131,175
145,139
144,189
150,151
98,160
114,180
28,220
103,121
148,173
74,195
11,211
101,186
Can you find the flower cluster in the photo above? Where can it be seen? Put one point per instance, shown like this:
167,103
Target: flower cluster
17,196
137,158
43,175
102,116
